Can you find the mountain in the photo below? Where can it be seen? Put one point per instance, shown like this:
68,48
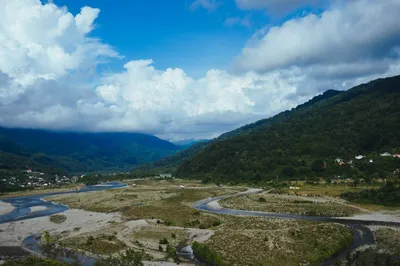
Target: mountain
362,120
79,152
184,144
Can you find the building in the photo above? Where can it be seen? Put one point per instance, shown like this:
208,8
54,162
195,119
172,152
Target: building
359,157
338,160
166,175
397,155
385,154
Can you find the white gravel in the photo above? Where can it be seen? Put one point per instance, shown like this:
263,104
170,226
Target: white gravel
5,207
38,208
375,216
13,233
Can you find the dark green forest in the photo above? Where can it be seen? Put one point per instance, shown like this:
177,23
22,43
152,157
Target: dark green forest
56,152
305,141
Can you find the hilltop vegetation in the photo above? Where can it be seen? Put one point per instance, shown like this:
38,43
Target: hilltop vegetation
303,143
55,152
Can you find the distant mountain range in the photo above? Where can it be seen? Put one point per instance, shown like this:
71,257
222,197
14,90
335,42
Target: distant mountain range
79,152
362,120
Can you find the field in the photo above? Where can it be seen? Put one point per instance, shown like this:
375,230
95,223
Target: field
158,214
289,204
261,241
151,199
38,191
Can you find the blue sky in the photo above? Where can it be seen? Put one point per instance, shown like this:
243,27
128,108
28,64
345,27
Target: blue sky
189,69
169,32
175,35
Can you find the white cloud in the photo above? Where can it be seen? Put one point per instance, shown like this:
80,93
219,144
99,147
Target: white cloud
232,21
44,41
210,5
357,31
281,6
48,76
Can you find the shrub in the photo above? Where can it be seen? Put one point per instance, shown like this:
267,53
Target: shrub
164,241
128,258
203,253
58,218
171,253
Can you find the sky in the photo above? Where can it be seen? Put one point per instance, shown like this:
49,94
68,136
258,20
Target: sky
184,69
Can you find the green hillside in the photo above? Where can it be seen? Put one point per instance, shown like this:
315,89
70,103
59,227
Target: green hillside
295,144
79,152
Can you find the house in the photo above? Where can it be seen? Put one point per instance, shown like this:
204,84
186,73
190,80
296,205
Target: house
166,175
342,163
294,188
385,154
397,155
371,161
359,157
338,160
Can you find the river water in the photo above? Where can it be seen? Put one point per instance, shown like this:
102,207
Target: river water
22,204
361,233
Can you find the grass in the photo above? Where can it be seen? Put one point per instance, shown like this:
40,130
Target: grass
177,210
388,239
261,241
139,192
58,218
152,199
150,236
101,244
284,204
38,191
327,190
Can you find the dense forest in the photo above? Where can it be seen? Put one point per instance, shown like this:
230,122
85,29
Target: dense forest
304,142
50,151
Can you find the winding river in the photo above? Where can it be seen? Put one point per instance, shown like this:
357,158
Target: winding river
23,204
362,234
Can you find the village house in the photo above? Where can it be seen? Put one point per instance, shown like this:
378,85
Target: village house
397,155
385,154
359,157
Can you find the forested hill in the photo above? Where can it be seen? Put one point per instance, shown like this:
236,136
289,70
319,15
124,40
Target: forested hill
79,152
172,162
362,120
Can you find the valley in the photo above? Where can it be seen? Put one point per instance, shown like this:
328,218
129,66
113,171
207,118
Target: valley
158,218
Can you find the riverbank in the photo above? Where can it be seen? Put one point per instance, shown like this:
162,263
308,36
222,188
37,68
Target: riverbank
13,233
6,207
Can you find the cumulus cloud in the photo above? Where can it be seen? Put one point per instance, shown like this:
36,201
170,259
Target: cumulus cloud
356,32
210,5
49,77
44,41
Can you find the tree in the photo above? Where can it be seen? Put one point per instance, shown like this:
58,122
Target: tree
318,166
128,258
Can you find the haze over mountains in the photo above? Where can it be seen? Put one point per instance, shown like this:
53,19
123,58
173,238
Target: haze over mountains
364,119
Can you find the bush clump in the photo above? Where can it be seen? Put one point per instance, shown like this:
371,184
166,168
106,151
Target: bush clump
58,218
203,253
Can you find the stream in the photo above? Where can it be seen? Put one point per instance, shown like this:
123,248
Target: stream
361,233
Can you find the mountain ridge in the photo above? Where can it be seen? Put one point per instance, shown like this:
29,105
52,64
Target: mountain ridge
364,119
